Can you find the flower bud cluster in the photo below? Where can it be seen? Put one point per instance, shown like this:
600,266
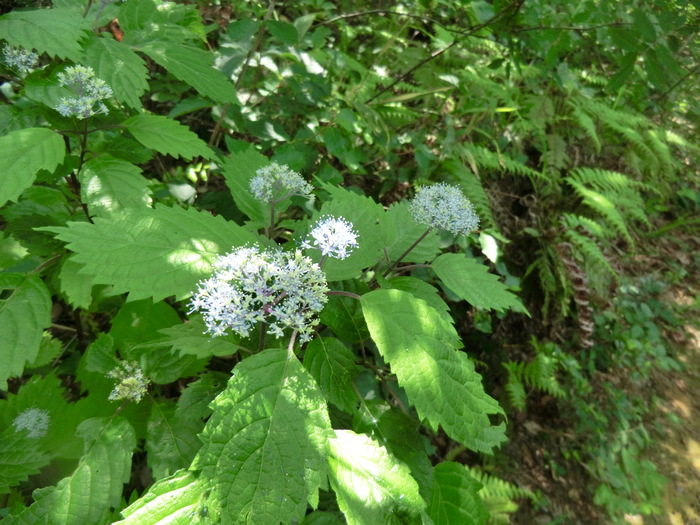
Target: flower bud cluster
275,183
133,384
445,207
283,289
91,92
19,59
34,420
334,237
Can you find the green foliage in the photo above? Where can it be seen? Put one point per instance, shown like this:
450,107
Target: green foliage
113,219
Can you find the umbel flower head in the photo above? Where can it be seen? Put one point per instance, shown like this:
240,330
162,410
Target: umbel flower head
19,59
34,420
90,93
334,237
133,384
445,207
282,289
275,183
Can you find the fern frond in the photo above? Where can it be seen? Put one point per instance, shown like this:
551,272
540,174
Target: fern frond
494,487
496,161
541,374
591,252
473,189
586,123
515,387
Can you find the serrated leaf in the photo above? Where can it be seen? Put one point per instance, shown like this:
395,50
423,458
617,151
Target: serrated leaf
177,500
193,66
455,499
95,486
19,458
472,282
265,442
152,252
167,136
370,484
110,185
400,231
22,154
439,381
56,32
76,287
122,69
171,442
365,215
422,290
238,169
190,338
23,317
333,366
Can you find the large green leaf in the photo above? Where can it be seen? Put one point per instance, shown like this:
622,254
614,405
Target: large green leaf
56,32
472,282
22,154
152,252
122,69
177,500
171,441
265,442
400,231
94,487
370,484
167,136
19,458
420,345
23,317
455,499
110,185
238,169
333,366
193,66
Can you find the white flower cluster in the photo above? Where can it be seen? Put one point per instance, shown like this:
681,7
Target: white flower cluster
282,289
34,420
133,384
274,183
21,60
445,207
334,237
91,92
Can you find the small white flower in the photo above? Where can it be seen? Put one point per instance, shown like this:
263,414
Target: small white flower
334,237
444,207
282,289
274,183
34,420
133,384
20,59
90,90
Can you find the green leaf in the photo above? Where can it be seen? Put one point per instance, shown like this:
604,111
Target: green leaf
56,32
439,381
343,314
193,66
177,500
370,484
76,287
265,442
625,70
455,499
422,290
238,170
399,231
472,282
190,339
109,185
95,486
19,458
365,215
171,442
333,366
122,69
152,252
23,317
22,154
167,136
283,31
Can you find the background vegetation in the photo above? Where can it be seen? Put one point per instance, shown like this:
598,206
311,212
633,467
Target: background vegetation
571,126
